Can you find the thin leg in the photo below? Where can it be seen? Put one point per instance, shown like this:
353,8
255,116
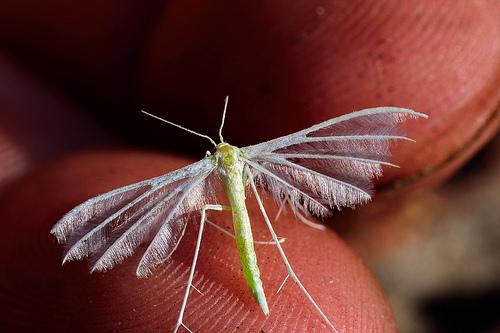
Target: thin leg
227,233
282,208
198,290
193,265
299,214
283,256
308,222
283,284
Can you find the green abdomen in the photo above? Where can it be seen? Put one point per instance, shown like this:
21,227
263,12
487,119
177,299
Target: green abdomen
235,191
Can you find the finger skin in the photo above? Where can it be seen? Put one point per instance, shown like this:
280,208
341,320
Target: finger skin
89,49
36,123
36,293
286,67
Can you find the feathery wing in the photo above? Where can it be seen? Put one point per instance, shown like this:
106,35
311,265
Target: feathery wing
330,164
111,226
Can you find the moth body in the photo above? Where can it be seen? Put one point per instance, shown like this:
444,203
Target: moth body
228,159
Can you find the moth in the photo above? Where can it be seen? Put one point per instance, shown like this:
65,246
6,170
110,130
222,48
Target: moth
329,165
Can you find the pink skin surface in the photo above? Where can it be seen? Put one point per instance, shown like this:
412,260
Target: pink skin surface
302,63
299,64
68,298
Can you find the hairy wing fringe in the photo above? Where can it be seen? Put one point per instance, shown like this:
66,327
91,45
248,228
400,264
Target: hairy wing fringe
135,232
282,188
190,200
110,227
93,237
337,193
369,124
97,208
92,210
333,165
333,162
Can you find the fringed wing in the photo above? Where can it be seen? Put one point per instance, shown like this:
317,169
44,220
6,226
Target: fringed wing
110,227
197,194
330,164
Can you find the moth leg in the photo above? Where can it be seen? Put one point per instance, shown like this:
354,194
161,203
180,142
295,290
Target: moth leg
308,222
227,233
299,213
283,256
195,259
282,284
198,290
281,209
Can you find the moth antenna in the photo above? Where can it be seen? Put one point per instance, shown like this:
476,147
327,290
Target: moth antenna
223,119
181,127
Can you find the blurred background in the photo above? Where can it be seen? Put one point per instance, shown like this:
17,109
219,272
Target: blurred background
74,75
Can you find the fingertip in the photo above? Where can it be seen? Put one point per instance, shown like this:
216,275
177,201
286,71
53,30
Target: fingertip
118,300
329,60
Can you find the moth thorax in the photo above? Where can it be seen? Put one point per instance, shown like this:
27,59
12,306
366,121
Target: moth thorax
227,156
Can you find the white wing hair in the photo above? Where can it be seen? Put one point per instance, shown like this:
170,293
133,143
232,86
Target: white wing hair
331,164
111,226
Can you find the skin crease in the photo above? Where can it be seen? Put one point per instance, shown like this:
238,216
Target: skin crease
56,298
